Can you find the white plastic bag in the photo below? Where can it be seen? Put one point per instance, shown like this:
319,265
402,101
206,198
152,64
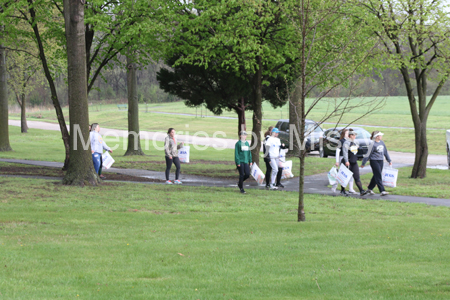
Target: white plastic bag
344,175
256,173
282,155
183,154
287,170
389,176
332,176
107,160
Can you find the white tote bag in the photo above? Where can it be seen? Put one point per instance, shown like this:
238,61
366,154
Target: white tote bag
287,170
389,176
257,174
183,154
344,176
332,176
107,160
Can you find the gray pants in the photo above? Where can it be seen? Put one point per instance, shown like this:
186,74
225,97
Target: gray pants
274,164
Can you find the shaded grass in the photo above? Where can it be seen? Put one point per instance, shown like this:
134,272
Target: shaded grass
435,184
127,241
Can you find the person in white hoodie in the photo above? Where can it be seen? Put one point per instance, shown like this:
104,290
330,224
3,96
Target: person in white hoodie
97,146
273,146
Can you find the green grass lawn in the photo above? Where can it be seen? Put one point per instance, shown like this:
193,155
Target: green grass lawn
129,241
47,145
394,113
435,185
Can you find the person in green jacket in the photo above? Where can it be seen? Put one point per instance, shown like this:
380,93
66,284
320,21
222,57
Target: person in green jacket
243,159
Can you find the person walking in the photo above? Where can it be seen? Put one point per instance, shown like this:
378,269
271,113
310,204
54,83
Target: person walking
350,151
171,151
243,159
376,156
97,147
274,145
339,156
267,161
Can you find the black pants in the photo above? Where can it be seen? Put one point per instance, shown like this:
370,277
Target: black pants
169,161
377,180
244,174
355,170
269,172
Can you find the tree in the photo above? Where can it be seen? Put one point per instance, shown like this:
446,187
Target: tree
81,169
134,140
22,68
4,126
218,89
414,35
332,46
249,38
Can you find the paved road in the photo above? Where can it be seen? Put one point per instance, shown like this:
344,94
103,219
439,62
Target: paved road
315,184
148,136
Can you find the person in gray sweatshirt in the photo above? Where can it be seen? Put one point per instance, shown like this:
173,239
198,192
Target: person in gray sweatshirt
378,152
97,146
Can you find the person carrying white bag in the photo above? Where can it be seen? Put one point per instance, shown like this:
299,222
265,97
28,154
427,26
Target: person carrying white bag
376,156
339,157
350,151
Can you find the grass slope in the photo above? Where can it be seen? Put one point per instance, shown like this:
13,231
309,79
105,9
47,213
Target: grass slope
128,241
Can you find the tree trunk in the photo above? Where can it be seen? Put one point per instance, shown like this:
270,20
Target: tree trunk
257,113
4,126
134,140
301,124
294,111
23,116
420,162
242,126
81,169
51,83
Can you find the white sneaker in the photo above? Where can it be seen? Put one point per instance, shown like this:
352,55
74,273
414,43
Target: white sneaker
169,182
384,193
177,182
272,187
370,192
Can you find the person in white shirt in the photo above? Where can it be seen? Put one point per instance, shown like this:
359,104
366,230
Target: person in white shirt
339,157
273,144
97,146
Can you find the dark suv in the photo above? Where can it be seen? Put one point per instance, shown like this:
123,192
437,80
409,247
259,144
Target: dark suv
313,132
331,140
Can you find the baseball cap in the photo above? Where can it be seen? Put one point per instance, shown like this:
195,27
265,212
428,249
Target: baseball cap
275,130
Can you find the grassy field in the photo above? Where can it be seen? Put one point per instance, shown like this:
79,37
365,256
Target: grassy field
46,145
129,241
395,113
435,185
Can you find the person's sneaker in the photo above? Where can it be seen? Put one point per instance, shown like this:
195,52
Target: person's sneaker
363,193
102,177
353,192
370,192
384,193
177,182
344,193
169,182
273,187
243,192
267,186
280,185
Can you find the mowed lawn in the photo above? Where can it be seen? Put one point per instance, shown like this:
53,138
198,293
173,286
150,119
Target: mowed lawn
47,145
395,113
131,241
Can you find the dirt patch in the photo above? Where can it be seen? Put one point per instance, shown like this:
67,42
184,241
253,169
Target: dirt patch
195,162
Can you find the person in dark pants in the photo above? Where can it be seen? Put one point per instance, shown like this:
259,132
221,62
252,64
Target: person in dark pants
350,151
243,159
267,161
376,157
171,151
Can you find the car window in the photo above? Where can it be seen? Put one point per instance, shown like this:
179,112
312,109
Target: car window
362,134
284,126
318,129
278,125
